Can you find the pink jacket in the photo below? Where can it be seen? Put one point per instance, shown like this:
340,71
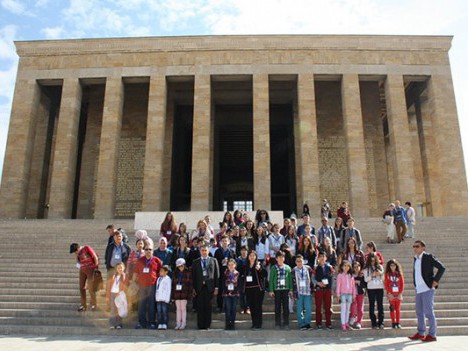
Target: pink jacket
345,285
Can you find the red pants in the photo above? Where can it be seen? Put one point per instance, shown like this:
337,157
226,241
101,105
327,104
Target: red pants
323,297
395,306
357,308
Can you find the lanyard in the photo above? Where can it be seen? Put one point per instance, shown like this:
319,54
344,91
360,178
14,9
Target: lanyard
226,253
159,283
231,277
302,273
204,263
180,278
148,262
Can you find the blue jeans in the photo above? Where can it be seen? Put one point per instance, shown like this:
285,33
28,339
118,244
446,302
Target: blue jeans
230,308
411,229
304,310
147,305
425,309
162,312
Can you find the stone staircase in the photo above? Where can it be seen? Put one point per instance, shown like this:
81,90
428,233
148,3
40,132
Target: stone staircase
39,282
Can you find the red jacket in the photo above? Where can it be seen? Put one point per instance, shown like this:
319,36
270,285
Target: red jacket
394,280
149,278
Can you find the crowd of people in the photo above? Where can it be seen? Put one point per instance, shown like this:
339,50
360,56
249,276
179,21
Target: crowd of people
246,258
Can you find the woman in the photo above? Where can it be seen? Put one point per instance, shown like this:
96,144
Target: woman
388,220
238,218
260,242
202,231
339,229
371,247
262,217
307,250
373,276
292,240
228,219
254,277
243,240
331,253
169,226
352,253
183,231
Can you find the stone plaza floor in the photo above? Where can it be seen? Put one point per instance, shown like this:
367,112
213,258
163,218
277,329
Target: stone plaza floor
13,343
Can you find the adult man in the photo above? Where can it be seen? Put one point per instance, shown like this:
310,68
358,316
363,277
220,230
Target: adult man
411,218
399,215
112,231
325,231
205,275
425,282
223,255
163,253
146,273
305,221
117,251
351,232
87,263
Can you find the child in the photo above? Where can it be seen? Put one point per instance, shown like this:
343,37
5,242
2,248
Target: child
213,246
115,285
346,292
230,293
181,292
373,275
302,283
241,263
394,285
280,289
163,296
322,278
357,307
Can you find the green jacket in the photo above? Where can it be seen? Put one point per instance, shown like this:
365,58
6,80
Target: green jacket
274,278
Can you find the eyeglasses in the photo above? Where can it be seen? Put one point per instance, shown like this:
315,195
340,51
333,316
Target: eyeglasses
148,249
416,246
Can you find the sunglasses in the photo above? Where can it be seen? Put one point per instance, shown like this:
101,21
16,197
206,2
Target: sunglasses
148,249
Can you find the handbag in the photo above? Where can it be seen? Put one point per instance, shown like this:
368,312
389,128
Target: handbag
121,304
98,281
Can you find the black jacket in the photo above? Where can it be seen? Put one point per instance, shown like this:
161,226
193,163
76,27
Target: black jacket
125,253
211,280
428,263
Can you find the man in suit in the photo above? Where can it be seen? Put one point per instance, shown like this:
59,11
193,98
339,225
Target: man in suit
205,275
425,283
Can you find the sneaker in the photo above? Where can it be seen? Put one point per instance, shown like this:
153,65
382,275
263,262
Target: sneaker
138,326
393,325
160,327
416,336
177,327
152,326
118,327
398,325
343,327
319,327
358,326
329,327
93,308
164,327
429,338
381,326
304,328
242,311
81,308
352,320
247,311
182,327
111,327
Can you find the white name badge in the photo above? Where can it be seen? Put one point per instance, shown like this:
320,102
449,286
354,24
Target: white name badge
169,232
205,273
224,264
282,282
178,287
78,265
395,289
249,279
146,270
230,287
117,257
306,261
325,281
302,284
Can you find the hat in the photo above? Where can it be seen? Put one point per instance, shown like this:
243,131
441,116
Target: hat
74,247
180,262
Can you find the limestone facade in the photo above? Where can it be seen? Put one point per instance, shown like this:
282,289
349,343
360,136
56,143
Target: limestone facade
102,128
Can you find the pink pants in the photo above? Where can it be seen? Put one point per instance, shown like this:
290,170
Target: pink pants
181,313
357,308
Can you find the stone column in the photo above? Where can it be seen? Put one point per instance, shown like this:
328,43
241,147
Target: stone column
66,149
17,163
400,139
308,159
446,166
261,142
109,148
154,152
355,147
201,154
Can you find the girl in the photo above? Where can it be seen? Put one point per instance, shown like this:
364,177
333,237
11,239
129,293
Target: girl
394,285
254,276
228,219
181,292
116,284
357,307
339,229
231,293
371,247
163,297
352,253
250,226
183,232
308,251
331,253
346,292
373,276
238,219
274,242
243,240
292,240
169,226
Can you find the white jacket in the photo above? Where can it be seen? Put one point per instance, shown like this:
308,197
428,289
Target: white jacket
373,283
163,289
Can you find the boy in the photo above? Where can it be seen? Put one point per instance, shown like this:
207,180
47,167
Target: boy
163,297
322,278
302,284
241,263
280,289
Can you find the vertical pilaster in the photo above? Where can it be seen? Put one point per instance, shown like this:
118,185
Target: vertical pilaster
17,163
309,189
261,142
65,153
109,148
201,154
356,150
154,151
400,138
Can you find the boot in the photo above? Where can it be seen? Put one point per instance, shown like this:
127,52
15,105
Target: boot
233,325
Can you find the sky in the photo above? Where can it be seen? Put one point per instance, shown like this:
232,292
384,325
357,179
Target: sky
60,19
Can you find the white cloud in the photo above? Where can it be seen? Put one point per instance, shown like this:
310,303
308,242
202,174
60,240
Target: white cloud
52,32
14,6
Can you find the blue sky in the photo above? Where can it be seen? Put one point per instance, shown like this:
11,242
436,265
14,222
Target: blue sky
48,19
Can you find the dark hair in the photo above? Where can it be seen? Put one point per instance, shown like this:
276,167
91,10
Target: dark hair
258,216
423,244
299,256
74,247
371,256
388,270
165,268
346,262
372,245
279,254
322,253
408,203
110,226
243,247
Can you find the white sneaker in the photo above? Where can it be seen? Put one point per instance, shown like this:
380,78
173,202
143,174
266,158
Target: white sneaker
177,327
352,320
160,326
164,327
358,326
